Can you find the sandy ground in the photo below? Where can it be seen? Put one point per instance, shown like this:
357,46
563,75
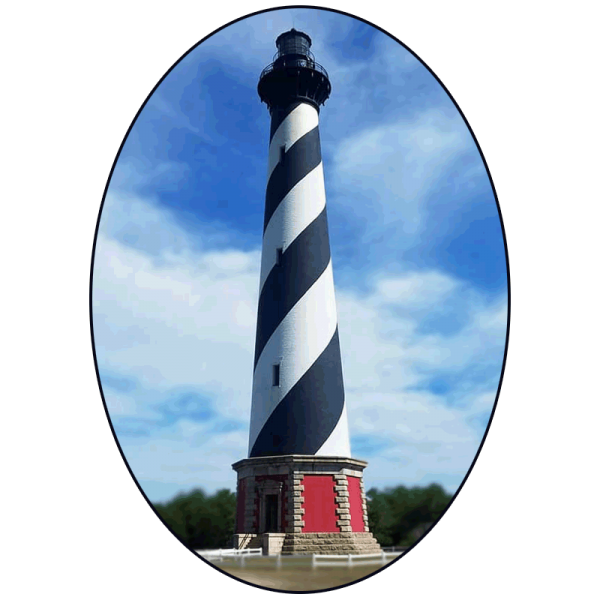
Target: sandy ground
296,575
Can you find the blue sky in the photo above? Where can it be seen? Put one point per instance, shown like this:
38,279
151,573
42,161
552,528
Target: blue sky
417,252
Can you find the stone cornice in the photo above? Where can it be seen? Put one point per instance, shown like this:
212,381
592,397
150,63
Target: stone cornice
298,461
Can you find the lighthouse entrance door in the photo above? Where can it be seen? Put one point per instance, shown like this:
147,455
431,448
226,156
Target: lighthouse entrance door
270,496
271,509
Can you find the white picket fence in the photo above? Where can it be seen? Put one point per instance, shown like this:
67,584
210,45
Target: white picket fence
352,560
219,555
316,560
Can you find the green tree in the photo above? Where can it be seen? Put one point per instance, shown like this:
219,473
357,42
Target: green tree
199,520
400,516
379,517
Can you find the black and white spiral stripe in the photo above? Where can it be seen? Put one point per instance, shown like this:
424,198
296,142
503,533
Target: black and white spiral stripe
304,411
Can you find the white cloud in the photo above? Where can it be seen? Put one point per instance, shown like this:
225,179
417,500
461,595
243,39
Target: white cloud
195,328
381,329
385,173
180,319
387,360
188,455
416,290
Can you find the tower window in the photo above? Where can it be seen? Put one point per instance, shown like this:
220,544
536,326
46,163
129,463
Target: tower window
281,153
278,256
276,375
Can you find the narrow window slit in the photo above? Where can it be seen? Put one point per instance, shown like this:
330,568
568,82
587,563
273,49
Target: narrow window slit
276,375
281,153
279,255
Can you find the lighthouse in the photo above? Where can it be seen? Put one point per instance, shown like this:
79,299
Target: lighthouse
299,491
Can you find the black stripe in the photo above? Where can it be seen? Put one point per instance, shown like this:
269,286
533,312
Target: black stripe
302,263
309,412
299,161
278,116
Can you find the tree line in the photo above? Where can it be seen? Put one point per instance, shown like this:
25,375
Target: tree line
200,520
398,516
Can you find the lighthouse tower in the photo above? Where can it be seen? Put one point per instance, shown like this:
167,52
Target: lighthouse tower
299,480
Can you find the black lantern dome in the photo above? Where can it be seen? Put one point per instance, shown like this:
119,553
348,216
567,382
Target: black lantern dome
293,75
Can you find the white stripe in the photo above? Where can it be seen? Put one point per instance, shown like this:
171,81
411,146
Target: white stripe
300,207
300,121
296,344
338,443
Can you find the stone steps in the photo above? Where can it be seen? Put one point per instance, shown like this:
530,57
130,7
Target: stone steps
255,542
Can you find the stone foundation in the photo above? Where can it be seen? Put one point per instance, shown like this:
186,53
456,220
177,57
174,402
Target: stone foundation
309,543
330,543
318,502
